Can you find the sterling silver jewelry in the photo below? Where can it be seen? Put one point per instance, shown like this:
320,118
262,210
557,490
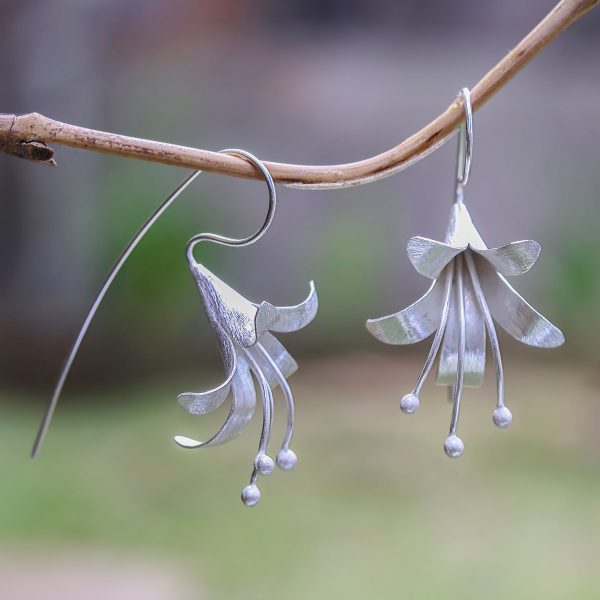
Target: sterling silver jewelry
469,292
247,346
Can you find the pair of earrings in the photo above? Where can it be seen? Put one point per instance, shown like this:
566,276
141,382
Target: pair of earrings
469,292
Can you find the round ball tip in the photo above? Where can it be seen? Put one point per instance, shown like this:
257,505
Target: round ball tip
453,446
409,404
502,417
286,459
264,464
251,495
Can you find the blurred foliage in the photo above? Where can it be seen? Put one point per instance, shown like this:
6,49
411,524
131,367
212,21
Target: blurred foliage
573,284
155,285
347,259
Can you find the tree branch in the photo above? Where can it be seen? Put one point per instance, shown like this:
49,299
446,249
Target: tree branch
26,136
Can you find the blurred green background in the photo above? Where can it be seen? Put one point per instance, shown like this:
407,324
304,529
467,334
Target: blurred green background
113,509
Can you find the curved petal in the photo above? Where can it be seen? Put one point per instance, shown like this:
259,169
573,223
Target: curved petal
242,408
227,308
474,358
429,257
266,317
514,314
281,357
514,258
200,403
461,230
414,323
292,318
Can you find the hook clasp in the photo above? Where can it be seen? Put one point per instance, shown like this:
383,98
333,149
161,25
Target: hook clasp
465,140
227,241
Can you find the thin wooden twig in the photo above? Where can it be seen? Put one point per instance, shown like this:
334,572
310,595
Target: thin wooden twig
27,135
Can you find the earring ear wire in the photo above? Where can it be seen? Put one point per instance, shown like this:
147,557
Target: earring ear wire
114,271
465,140
244,331
122,259
247,346
251,239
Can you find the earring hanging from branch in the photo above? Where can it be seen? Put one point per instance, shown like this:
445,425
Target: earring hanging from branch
248,348
469,292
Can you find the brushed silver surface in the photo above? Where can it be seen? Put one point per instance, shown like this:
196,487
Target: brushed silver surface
248,351
513,259
462,319
412,324
250,354
430,257
464,309
474,353
515,315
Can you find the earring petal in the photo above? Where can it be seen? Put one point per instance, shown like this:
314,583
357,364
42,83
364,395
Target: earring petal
414,323
514,314
281,357
474,356
200,403
243,402
429,257
461,231
512,259
227,308
292,318
266,317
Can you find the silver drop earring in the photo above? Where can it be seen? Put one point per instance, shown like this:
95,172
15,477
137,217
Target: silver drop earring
248,348
469,292
246,344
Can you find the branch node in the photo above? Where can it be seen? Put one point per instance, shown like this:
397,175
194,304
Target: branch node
37,152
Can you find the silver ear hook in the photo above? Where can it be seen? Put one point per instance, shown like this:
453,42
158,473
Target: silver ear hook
226,241
465,140
126,253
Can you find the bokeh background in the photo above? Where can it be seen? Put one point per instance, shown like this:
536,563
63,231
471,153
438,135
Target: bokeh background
113,509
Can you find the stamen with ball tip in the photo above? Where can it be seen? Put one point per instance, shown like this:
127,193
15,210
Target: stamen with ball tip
249,351
410,403
453,446
286,459
481,296
502,417
247,346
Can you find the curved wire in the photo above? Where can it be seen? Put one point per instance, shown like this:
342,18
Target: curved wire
268,409
460,361
439,334
133,243
465,140
117,266
287,393
491,329
226,241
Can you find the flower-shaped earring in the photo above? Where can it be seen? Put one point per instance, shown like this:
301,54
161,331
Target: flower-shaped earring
469,291
247,346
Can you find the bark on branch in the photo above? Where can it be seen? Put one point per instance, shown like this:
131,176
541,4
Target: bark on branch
26,136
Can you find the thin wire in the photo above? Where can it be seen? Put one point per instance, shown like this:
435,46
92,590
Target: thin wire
226,241
43,428
465,140
491,329
439,334
48,414
268,406
287,392
460,360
